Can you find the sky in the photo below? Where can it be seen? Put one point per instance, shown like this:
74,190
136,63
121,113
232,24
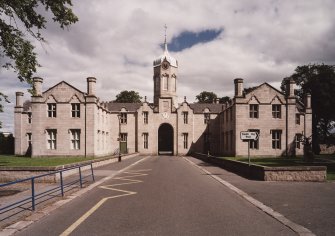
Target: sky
214,41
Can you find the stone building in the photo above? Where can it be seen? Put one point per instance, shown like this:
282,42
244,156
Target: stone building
64,121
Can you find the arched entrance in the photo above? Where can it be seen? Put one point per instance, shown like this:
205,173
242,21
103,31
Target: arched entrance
165,139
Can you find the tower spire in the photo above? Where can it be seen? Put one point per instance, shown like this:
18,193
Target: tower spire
165,44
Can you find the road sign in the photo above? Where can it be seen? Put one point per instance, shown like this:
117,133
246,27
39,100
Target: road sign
246,135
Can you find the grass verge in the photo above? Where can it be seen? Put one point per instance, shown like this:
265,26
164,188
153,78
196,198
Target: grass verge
320,160
10,161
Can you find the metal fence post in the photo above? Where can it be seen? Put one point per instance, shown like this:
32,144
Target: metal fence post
33,194
61,183
80,179
92,172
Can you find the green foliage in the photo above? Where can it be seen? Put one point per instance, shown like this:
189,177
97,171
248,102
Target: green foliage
224,99
2,97
206,97
20,20
41,161
319,81
6,144
210,97
247,90
128,97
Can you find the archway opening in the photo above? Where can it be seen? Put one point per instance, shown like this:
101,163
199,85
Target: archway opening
165,139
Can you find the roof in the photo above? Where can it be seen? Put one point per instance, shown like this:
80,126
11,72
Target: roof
213,107
166,56
115,106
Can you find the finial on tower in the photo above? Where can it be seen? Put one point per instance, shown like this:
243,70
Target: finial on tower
165,44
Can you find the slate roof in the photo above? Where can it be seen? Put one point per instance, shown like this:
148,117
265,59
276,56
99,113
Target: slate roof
213,107
132,107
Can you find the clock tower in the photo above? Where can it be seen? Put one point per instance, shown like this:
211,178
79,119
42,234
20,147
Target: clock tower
165,81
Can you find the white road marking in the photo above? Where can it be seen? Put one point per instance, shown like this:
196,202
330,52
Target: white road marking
131,174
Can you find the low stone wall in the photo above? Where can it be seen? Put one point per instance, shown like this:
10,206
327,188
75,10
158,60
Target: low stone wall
327,149
8,174
257,172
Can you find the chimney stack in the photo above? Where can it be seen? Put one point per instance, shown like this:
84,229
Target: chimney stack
37,83
289,88
19,99
308,102
238,87
91,86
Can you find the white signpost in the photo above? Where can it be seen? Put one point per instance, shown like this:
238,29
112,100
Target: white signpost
247,136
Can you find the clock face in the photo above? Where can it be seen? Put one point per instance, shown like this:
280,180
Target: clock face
165,65
165,115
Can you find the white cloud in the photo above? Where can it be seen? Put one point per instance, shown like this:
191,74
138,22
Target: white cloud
116,41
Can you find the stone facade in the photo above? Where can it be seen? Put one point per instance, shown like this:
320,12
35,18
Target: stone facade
64,121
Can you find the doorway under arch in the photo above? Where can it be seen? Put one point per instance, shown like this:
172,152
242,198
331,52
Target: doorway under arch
165,139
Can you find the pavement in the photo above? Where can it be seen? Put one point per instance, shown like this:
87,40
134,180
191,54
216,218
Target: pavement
24,191
169,196
309,204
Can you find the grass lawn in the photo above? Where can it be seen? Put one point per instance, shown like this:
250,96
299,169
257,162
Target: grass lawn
40,161
320,160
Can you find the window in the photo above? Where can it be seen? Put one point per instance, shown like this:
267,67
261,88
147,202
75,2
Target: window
51,109
185,137
165,83
297,119
123,118
123,137
253,110
227,111
185,115
231,113
254,144
207,117
145,140
75,111
298,139
276,139
231,139
99,140
75,139
145,117
276,111
29,139
29,117
51,139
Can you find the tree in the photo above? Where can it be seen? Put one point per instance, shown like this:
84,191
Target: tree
224,99
249,89
319,81
128,97
20,21
206,97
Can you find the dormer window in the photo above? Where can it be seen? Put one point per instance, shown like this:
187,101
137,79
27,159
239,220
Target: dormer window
75,110
51,109
253,110
276,111
123,118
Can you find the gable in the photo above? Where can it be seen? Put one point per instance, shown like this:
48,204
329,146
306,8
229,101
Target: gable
265,93
64,92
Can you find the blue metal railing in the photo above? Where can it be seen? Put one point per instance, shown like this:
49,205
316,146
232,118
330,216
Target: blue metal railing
38,198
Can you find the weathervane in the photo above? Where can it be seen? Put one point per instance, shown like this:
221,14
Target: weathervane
165,27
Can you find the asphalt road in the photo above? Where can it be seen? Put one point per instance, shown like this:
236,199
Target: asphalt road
159,196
